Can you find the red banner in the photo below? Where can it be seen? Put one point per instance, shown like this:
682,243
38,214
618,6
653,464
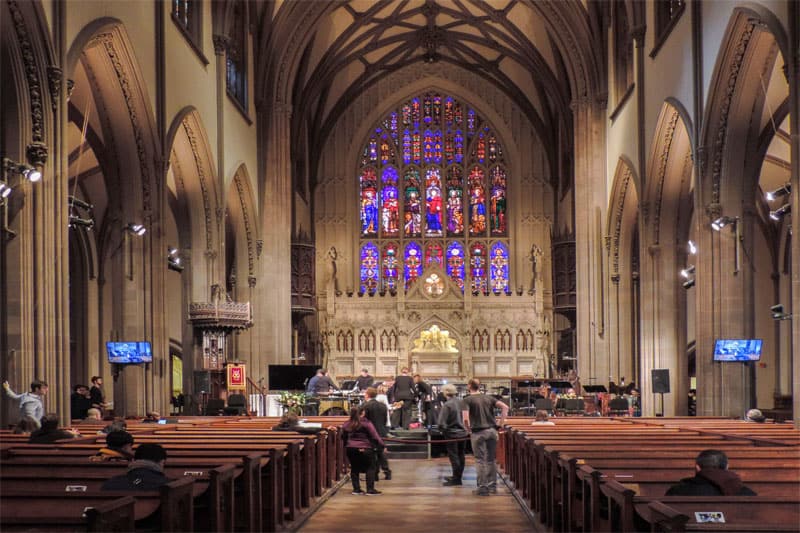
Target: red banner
237,377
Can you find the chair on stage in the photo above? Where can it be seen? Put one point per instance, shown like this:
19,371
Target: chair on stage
618,407
573,406
237,405
214,407
543,404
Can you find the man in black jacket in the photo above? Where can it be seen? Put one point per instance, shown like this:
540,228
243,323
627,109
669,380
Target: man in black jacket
425,399
712,478
146,472
403,392
364,381
376,412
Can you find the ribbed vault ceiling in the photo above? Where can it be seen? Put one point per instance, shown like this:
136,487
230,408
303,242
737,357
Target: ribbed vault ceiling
361,41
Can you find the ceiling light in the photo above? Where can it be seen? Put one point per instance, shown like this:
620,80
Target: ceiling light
780,191
780,212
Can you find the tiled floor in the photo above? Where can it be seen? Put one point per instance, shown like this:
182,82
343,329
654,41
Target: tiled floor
415,501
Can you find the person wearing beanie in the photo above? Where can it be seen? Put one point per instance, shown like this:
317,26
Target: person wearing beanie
119,447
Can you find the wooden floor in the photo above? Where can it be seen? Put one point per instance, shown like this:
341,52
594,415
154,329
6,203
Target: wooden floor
415,501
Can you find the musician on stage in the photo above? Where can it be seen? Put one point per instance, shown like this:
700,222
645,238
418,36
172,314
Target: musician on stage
364,381
402,392
320,383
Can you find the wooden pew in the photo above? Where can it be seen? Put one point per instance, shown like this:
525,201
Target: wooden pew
741,513
50,506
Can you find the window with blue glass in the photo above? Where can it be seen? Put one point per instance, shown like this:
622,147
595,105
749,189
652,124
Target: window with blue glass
433,193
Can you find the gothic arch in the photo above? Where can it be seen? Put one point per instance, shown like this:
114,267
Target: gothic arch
129,188
505,136
622,231
242,218
195,187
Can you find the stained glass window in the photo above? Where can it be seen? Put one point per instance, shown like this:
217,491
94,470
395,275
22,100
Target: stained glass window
433,169
477,267
498,263
369,268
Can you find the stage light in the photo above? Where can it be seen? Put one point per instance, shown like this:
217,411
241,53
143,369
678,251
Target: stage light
688,284
780,191
80,204
5,190
778,314
721,222
688,271
780,212
76,221
32,174
136,229
692,248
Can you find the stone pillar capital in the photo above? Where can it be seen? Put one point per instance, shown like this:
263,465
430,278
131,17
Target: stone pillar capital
637,34
221,43
654,250
713,210
36,153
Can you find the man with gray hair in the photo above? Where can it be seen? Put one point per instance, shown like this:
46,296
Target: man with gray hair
451,424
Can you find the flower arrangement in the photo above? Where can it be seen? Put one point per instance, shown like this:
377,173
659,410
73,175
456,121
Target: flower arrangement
293,402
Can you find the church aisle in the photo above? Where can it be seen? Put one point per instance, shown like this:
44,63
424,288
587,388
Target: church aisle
415,500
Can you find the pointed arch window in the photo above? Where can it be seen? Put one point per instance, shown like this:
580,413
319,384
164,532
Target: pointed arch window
433,191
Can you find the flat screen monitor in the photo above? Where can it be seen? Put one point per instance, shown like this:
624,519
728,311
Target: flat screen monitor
129,352
290,377
734,350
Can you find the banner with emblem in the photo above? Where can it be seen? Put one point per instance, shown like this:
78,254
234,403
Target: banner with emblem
237,377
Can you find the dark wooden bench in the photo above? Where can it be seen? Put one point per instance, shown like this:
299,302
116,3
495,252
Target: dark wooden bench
741,513
49,506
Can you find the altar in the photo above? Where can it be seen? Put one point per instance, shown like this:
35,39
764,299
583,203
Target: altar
435,354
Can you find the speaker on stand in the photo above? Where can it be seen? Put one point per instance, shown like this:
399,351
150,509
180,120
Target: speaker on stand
660,380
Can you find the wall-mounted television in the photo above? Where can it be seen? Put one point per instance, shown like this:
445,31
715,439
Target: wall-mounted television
129,352
736,350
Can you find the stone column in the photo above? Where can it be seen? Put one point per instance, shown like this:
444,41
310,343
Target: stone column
273,309
794,127
590,201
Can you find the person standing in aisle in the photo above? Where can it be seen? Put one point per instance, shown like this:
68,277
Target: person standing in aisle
451,424
480,421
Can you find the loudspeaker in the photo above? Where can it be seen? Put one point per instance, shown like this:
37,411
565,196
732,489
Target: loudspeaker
660,379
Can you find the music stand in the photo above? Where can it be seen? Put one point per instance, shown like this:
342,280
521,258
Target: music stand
594,389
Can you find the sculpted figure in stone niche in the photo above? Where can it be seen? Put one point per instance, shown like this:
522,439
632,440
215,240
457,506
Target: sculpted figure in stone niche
434,340
333,282
535,257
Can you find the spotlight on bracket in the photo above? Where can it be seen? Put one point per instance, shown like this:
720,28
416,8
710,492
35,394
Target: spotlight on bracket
721,222
80,204
780,191
5,190
692,247
688,284
780,212
778,314
174,260
136,229
30,173
78,222
687,272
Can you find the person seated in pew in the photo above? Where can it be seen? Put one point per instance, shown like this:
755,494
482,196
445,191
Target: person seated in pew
119,447
118,424
291,422
151,418
80,402
542,419
50,432
93,416
755,415
712,478
25,426
146,472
